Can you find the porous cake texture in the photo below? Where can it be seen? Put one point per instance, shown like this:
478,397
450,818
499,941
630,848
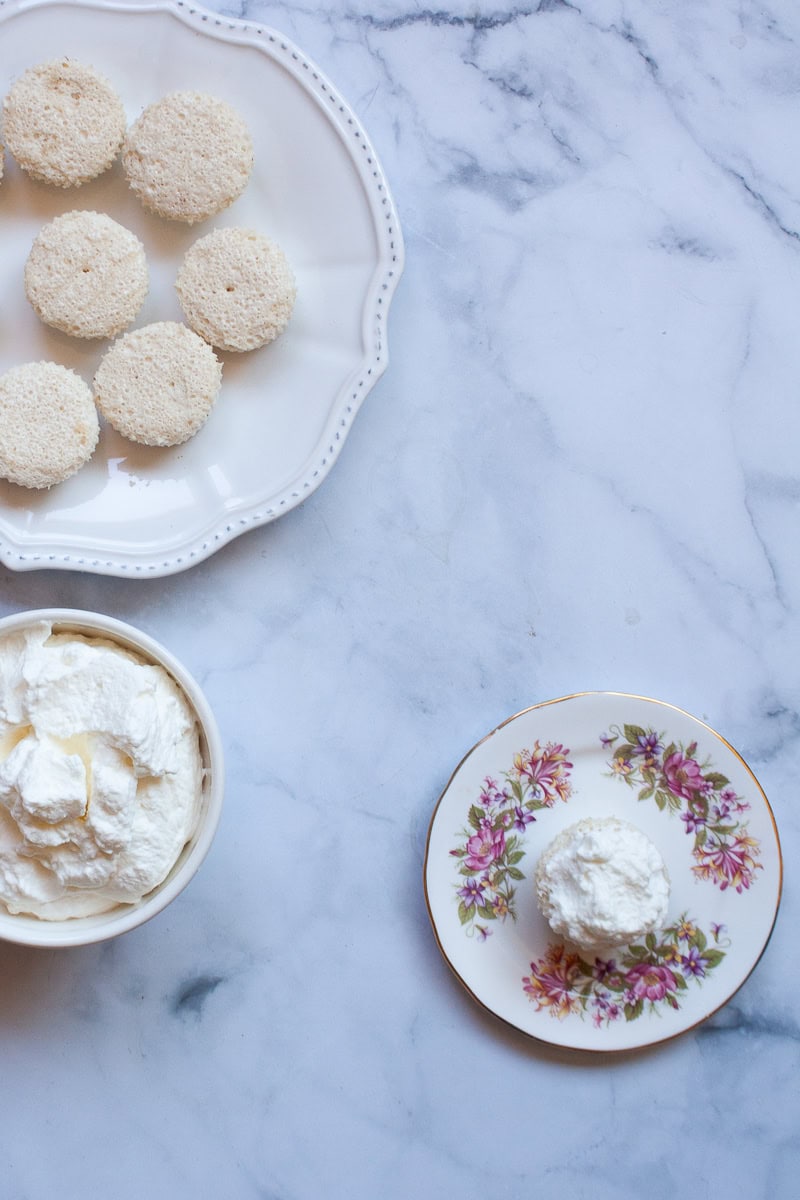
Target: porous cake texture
48,424
86,275
157,385
63,122
236,289
188,156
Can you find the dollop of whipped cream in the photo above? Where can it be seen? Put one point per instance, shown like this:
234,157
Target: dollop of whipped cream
100,774
602,883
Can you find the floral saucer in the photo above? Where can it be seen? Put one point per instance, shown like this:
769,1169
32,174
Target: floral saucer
603,754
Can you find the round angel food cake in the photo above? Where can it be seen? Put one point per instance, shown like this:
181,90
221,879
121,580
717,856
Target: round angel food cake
63,122
157,385
602,883
236,289
48,424
86,275
188,156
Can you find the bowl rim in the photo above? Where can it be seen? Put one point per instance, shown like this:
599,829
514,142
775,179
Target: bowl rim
27,930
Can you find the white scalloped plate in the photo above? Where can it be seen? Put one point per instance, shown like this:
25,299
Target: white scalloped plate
551,766
285,410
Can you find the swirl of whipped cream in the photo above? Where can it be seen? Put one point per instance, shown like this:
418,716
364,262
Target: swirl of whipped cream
100,774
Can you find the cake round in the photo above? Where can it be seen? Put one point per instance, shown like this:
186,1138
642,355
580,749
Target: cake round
86,275
157,385
188,156
602,883
236,289
63,122
48,424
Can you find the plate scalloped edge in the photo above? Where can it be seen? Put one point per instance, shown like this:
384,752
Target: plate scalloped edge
385,279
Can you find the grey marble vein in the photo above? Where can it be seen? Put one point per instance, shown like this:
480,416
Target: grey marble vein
579,472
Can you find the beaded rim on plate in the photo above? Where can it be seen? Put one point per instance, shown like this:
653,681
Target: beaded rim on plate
92,529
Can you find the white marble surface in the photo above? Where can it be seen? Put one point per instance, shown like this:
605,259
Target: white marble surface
579,472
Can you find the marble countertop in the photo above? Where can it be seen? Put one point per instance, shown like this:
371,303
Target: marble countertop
579,472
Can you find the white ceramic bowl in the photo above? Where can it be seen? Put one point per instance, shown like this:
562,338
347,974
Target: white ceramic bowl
80,931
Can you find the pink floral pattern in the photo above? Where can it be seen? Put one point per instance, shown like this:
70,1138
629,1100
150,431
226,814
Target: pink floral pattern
725,854
490,847
641,979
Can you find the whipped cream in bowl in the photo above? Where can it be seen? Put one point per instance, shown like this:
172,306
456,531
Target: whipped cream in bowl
111,777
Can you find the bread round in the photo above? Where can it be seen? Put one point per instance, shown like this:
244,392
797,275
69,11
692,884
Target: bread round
236,289
157,385
86,275
48,424
188,156
63,122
